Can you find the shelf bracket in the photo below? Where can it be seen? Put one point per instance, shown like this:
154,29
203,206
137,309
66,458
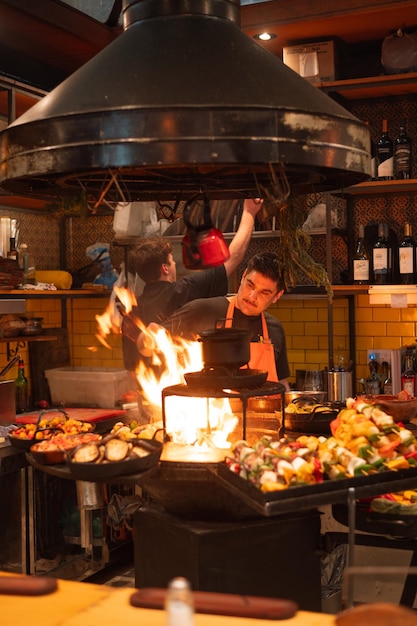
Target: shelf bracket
20,345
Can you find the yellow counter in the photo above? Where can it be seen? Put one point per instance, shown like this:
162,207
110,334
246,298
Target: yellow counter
85,604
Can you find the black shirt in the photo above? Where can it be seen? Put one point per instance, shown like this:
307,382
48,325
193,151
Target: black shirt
160,299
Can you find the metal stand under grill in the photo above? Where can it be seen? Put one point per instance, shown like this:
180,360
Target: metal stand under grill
267,389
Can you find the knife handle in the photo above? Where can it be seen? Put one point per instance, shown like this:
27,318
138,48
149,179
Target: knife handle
221,604
27,585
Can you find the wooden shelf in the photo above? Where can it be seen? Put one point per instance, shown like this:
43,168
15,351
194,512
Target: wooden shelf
25,338
21,340
30,294
383,86
379,187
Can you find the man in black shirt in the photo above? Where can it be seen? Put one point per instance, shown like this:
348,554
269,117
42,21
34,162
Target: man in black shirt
162,295
261,285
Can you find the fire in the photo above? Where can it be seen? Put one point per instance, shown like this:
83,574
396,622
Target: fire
203,422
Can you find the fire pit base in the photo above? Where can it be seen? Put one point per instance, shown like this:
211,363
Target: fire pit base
277,558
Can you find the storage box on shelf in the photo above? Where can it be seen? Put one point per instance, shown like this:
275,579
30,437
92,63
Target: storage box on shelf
317,62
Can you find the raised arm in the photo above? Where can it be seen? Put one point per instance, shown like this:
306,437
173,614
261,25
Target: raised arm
240,241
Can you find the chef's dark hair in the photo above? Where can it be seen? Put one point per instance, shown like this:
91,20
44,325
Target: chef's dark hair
146,258
267,263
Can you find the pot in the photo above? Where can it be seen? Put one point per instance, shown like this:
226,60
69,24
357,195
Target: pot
225,347
338,385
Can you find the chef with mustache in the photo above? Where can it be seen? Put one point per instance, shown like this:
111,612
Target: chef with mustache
260,287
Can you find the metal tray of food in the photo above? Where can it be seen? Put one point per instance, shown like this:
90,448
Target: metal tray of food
303,497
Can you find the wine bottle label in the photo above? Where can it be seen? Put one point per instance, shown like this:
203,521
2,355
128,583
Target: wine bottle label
361,270
402,157
386,168
408,385
380,257
406,260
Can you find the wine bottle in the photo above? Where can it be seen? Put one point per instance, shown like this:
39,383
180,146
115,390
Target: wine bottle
373,158
408,376
402,153
382,257
387,385
407,257
385,154
361,260
21,389
12,252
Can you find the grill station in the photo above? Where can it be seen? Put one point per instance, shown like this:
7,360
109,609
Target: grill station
222,532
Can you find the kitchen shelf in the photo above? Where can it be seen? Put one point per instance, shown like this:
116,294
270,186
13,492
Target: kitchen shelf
373,87
21,340
379,187
257,234
58,293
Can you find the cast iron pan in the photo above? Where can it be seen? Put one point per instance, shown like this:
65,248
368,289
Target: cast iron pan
24,443
101,471
214,379
317,421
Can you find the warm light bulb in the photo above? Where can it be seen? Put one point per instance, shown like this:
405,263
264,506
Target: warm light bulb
265,36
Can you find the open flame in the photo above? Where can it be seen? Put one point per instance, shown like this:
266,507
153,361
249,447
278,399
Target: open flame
203,422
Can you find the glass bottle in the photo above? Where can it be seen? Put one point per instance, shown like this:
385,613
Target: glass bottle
27,263
382,257
373,158
179,603
387,384
407,257
402,153
408,376
385,154
373,382
21,389
12,252
361,260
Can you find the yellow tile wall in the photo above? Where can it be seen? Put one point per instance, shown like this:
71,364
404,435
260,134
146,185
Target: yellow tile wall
377,326
304,321
85,349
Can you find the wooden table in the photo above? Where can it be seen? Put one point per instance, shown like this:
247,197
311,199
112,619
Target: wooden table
86,604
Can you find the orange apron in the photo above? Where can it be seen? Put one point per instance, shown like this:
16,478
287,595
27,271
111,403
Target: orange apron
261,353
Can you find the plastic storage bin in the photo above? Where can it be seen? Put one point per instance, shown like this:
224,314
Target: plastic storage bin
88,386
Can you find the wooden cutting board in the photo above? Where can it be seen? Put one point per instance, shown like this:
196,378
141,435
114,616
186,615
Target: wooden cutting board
84,415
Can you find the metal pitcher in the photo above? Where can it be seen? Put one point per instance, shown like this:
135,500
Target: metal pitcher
338,385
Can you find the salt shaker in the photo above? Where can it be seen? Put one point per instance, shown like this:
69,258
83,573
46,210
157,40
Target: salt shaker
179,604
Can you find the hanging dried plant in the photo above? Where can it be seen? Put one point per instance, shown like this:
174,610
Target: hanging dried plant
294,242
69,206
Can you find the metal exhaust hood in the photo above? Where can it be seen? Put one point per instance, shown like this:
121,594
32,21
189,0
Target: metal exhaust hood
182,101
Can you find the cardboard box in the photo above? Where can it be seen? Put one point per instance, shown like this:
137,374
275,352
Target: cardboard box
88,386
314,61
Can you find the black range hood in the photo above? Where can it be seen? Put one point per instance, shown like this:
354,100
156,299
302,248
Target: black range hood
182,102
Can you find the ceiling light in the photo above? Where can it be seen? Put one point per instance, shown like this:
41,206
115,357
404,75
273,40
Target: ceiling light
264,36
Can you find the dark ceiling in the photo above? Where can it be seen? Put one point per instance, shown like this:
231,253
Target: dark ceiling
44,41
